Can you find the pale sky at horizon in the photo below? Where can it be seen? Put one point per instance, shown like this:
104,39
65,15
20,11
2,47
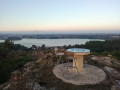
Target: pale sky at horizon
64,15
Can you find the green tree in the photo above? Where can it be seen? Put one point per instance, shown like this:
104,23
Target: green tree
43,47
8,44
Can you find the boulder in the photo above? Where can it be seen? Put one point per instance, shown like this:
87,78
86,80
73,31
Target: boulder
35,86
7,87
117,84
113,73
103,60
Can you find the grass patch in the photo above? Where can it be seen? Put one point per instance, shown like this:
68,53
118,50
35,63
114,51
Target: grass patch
9,65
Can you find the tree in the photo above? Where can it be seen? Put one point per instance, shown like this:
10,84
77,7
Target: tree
8,44
43,47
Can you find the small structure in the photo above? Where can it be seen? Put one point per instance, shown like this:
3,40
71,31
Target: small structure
78,57
79,73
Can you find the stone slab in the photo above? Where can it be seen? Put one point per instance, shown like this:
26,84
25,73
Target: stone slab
90,74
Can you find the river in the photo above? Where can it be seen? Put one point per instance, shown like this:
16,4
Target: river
52,42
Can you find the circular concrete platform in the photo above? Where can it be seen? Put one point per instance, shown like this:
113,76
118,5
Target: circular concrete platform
89,75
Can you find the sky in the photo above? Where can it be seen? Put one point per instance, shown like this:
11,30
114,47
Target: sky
60,15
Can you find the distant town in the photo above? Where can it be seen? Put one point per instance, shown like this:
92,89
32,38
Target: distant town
59,36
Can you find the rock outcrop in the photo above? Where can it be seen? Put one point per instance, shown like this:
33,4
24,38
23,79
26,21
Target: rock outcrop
114,76
38,75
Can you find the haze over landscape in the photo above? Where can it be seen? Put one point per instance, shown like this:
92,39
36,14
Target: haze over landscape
60,15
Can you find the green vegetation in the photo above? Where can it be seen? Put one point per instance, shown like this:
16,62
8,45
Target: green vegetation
101,47
7,44
12,57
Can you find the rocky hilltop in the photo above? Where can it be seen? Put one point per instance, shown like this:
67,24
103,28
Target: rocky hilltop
38,74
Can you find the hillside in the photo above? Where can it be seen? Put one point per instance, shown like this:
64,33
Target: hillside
37,73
